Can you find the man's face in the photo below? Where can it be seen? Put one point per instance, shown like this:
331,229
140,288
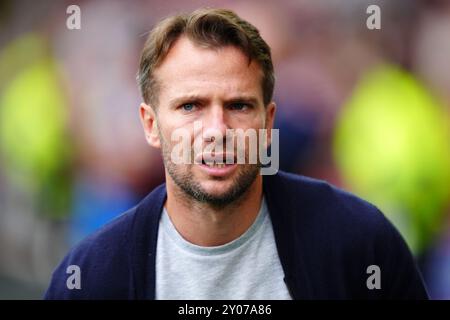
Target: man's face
219,89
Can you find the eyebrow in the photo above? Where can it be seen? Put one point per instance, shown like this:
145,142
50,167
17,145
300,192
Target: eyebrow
197,98
183,99
243,99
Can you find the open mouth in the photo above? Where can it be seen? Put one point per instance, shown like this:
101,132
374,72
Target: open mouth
216,165
213,164
219,160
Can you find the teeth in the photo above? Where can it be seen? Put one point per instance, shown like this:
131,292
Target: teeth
218,165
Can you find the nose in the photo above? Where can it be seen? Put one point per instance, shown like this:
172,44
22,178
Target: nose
215,124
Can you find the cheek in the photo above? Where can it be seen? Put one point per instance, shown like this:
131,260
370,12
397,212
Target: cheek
257,123
253,120
164,133
171,121
165,127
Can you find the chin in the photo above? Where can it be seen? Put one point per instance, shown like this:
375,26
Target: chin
217,188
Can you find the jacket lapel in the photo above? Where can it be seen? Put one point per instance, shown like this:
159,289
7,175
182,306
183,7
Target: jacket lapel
145,232
283,215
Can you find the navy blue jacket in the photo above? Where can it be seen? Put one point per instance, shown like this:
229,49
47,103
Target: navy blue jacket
326,239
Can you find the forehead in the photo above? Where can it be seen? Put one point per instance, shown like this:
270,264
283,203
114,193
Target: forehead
191,69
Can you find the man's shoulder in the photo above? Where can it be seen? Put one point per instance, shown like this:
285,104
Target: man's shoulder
333,227
328,215
106,257
96,264
316,198
112,236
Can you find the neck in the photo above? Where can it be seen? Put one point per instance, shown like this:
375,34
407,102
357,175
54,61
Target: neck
206,225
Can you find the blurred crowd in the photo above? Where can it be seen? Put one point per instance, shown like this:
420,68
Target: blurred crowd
367,110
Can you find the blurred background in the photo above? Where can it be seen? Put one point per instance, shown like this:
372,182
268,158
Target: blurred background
367,110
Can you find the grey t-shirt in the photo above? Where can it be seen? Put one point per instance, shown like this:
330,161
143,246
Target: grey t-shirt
245,268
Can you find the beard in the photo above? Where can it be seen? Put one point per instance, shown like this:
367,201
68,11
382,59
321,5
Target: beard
184,178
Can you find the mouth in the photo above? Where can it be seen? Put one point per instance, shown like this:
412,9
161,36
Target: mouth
216,167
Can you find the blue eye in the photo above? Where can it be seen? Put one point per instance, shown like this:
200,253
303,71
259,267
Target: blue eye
188,106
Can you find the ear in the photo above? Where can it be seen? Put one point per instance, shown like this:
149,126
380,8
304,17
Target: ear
270,118
150,124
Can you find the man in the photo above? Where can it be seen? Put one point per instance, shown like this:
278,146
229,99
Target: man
220,230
